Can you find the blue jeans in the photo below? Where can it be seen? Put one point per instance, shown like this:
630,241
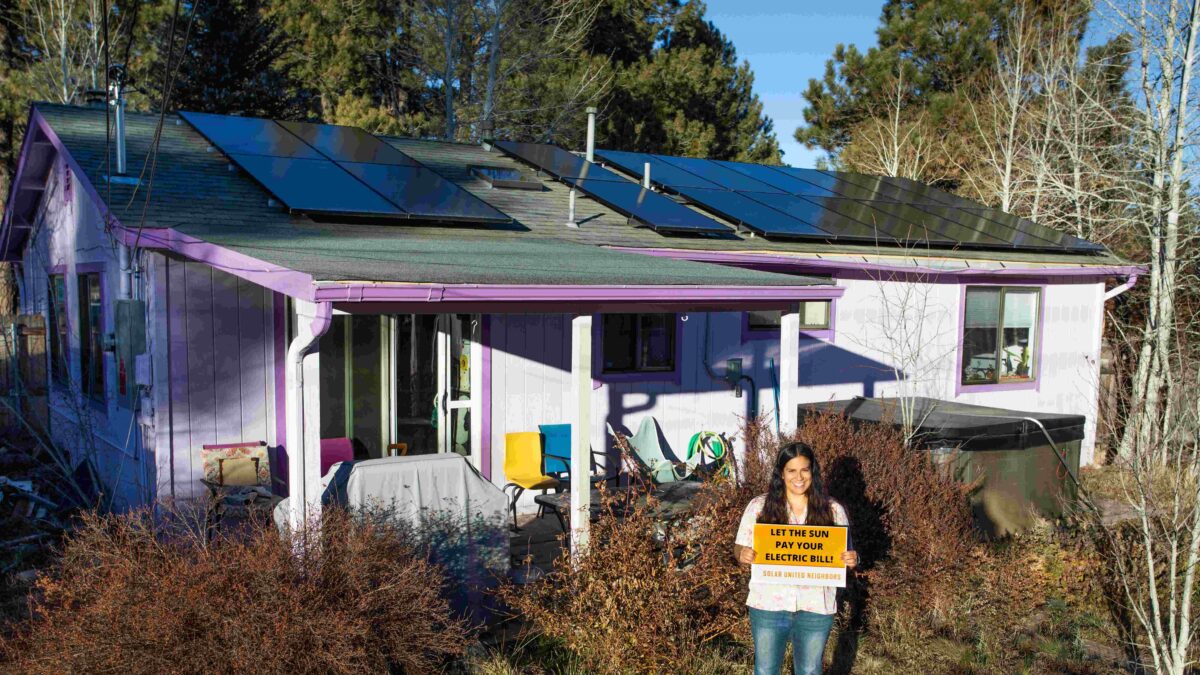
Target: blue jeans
807,631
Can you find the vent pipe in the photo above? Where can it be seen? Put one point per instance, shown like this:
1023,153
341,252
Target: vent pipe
116,74
591,134
571,210
646,175
487,131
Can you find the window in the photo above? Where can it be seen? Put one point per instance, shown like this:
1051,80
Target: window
91,358
638,343
58,329
814,316
1000,335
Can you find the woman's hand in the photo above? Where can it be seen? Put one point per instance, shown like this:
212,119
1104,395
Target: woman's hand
744,554
850,558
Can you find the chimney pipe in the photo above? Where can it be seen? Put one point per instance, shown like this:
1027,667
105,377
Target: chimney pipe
591,134
116,73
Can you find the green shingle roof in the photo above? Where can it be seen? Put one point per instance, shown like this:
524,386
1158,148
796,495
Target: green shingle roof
196,192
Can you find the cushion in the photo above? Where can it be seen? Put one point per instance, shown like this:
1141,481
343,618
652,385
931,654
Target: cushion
211,460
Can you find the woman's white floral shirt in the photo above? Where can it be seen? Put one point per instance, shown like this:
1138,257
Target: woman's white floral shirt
777,597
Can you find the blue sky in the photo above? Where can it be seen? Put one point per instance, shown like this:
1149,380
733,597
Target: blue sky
787,42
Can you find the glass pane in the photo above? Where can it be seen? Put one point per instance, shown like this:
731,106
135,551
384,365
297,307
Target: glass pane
620,342
814,314
90,356
1020,324
332,350
464,329
58,331
460,431
657,342
366,386
764,320
981,326
416,382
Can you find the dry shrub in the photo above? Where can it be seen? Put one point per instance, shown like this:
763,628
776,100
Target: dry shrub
139,594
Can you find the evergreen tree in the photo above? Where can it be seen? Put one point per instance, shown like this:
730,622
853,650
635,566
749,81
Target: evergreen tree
232,63
679,88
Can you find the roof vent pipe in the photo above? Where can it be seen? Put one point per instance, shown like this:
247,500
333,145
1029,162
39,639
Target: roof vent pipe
591,134
116,74
487,130
571,210
646,175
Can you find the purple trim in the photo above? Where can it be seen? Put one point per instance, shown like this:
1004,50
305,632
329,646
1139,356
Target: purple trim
786,263
279,325
1030,385
485,403
749,334
599,377
10,203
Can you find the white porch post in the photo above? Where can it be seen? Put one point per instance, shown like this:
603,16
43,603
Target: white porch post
304,411
789,368
581,425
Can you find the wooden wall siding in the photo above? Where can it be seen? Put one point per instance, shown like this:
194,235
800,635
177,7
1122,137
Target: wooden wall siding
217,383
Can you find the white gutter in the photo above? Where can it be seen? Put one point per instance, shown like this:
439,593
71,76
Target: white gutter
1130,281
306,340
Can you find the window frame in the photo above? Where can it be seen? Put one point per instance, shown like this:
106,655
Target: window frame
600,376
82,271
1033,383
749,333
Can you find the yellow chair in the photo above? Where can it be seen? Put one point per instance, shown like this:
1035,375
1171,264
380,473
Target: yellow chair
523,467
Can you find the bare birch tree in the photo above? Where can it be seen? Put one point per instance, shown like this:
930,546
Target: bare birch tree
69,43
895,141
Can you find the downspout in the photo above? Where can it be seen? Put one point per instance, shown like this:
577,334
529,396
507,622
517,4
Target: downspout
1130,281
301,346
123,263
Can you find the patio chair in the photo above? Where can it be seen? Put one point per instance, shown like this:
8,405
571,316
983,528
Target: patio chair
556,452
334,450
523,468
647,450
237,471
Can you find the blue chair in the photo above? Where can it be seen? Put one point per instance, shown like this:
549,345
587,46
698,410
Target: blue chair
556,453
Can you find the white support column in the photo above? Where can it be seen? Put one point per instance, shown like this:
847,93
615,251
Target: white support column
789,368
581,425
303,412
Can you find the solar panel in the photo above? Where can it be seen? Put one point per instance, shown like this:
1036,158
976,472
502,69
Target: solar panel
348,144
755,215
249,136
844,224
884,227
558,162
715,173
315,185
422,193
778,179
1017,238
1061,239
649,208
337,170
661,172
874,188
948,229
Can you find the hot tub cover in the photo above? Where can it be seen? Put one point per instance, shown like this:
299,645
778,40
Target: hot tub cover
969,427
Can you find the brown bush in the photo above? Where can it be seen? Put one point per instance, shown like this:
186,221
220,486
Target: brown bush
139,594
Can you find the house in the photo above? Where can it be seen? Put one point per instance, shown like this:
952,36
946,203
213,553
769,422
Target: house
283,283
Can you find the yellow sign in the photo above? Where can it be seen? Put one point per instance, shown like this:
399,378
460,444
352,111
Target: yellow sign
803,555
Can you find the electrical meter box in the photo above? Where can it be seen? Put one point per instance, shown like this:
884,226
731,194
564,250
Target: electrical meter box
130,342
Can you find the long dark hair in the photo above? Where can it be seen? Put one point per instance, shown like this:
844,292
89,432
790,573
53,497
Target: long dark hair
775,510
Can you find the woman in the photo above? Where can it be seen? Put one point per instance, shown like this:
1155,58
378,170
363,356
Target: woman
803,614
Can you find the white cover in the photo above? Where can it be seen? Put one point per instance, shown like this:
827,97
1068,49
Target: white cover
445,483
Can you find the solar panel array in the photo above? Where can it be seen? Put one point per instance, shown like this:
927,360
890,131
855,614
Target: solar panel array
807,204
324,169
630,199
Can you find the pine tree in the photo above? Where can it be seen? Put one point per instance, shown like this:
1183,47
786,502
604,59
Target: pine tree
679,88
